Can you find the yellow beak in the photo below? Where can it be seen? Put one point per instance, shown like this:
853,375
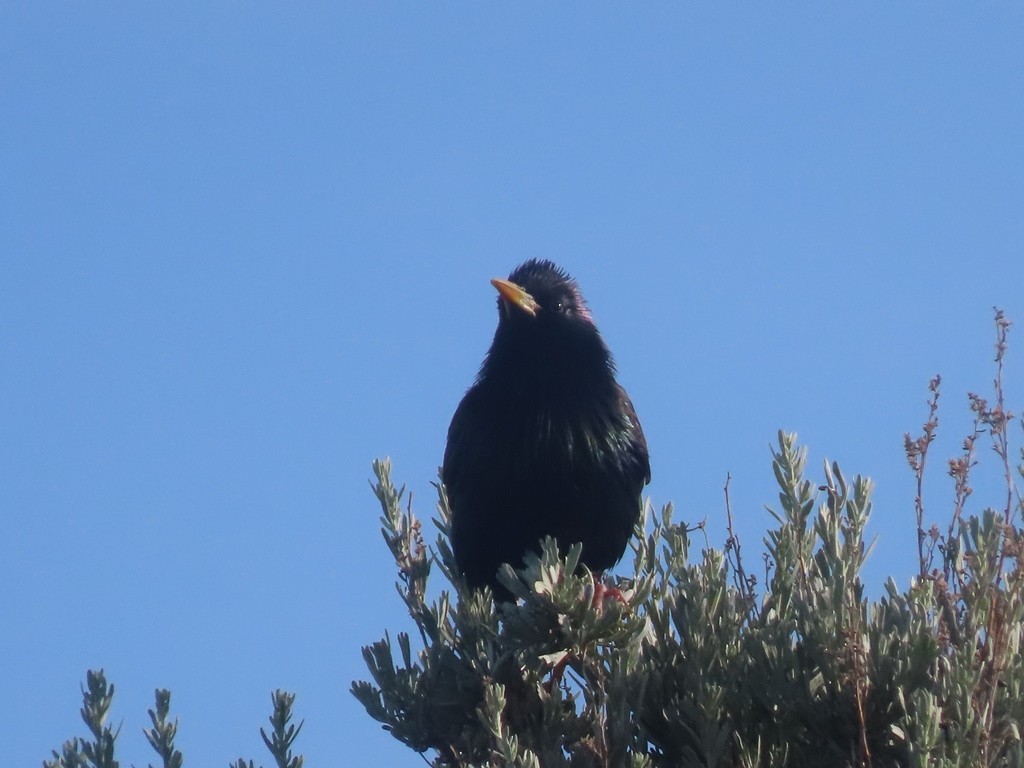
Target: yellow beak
516,296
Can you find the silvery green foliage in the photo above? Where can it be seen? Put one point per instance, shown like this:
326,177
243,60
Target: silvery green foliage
695,667
98,751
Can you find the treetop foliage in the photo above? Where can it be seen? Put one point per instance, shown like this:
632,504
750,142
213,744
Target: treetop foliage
701,666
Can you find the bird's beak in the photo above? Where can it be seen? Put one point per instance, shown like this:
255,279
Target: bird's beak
516,296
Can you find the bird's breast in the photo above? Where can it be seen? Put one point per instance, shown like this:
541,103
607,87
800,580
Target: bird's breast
562,436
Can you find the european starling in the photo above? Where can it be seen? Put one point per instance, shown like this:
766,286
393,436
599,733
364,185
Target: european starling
545,442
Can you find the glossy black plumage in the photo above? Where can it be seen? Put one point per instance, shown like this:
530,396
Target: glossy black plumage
545,442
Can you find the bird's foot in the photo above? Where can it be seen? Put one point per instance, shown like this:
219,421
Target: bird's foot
557,672
602,593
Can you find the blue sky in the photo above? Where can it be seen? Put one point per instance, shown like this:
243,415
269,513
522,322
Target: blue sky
245,249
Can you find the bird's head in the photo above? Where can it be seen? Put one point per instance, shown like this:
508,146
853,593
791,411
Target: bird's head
540,292
542,317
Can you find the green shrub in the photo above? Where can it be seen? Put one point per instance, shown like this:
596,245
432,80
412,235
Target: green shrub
697,668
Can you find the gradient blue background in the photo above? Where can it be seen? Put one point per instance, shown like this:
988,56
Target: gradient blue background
244,249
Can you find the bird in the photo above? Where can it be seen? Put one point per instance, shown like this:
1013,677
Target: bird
545,442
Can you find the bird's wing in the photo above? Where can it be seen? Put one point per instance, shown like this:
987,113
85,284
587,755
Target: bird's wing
637,441
459,452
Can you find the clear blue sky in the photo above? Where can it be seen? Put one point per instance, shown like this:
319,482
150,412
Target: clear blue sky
245,249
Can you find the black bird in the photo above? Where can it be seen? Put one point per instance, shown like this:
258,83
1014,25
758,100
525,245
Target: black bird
545,442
